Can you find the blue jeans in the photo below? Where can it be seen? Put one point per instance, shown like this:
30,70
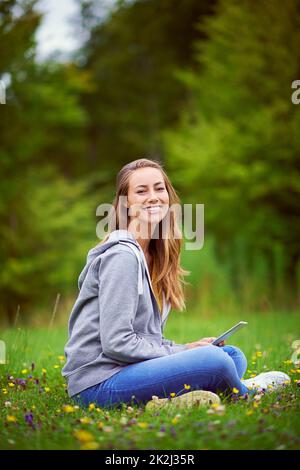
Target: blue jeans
213,368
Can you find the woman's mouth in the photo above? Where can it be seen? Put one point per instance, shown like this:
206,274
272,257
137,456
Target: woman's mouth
152,209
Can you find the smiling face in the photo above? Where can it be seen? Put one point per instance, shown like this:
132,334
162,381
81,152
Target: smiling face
148,198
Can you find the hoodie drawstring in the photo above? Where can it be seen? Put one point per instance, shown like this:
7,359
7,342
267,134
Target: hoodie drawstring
140,277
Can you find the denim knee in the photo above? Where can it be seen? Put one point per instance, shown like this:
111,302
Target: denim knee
222,361
234,351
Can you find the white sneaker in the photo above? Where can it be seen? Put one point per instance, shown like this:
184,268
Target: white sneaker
267,381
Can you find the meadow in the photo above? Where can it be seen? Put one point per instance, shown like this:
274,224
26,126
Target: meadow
36,412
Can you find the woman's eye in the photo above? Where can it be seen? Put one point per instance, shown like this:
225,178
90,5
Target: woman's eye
159,189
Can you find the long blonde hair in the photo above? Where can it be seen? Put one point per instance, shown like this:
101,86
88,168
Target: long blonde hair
167,275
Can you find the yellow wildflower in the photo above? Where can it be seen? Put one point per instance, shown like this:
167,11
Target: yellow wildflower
85,420
4,391
92,406
172,394
235,390
249,412
47,389
44,370
68,408
91,445
24,371
11,384
61,358
56,366
83,436
187,387
11,419
143,425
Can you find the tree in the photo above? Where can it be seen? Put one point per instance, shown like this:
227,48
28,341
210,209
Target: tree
237,146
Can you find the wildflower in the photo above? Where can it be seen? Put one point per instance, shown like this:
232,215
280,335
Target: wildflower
68,408
123,420
11,419
83,436
56,366
175,419
92,406
91,445
288,361
4,391
44,370
258,353
187,387
249,412
216,409
7,404
235,390
24,371
100,425
98,409
257,397
29,419
107,428
143,425
172,394
11,384
47,389
21,382
85,420
61,358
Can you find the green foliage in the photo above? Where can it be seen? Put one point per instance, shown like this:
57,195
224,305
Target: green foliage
46,218
237,148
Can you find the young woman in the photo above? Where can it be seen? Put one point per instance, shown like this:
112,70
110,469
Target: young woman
116,352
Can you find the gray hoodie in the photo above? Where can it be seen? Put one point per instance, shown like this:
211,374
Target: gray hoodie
115,320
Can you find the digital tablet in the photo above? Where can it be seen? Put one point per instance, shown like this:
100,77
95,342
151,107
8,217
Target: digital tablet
228,333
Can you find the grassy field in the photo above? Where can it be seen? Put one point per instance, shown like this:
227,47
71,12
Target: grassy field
36,412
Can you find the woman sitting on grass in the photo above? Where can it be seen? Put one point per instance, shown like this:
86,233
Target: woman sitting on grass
116,352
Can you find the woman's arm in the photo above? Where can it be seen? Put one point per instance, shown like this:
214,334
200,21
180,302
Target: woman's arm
118,300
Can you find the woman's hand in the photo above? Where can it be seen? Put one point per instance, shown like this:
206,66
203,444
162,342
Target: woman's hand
203,342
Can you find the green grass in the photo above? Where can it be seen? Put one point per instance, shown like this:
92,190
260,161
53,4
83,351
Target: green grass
271,423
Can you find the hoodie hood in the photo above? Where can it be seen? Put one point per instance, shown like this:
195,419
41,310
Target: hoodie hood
124,237
115,237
